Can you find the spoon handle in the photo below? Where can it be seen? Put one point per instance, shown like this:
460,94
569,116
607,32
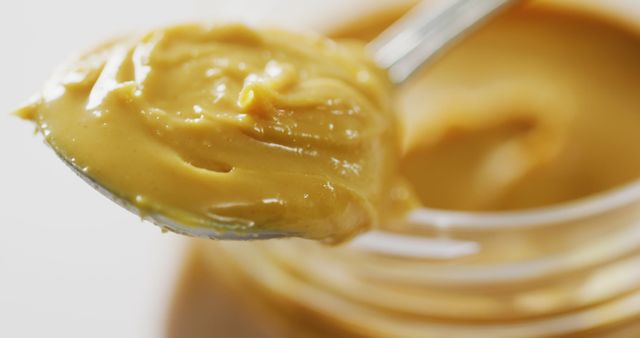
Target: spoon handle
426,31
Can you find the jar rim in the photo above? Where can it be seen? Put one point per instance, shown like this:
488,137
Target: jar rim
557,214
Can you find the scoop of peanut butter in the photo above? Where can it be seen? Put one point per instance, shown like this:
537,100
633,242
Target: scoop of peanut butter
230,127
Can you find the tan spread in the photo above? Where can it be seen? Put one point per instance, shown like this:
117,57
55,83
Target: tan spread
230,127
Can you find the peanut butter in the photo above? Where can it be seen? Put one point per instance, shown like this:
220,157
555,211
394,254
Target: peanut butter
230,127
538,108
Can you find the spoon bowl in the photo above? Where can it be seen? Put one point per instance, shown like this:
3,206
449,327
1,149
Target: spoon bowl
167,223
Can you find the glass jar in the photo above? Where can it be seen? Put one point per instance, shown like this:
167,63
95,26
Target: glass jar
570,270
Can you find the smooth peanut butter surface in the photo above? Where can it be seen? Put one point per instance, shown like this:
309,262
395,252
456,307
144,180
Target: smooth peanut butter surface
264,130
540,107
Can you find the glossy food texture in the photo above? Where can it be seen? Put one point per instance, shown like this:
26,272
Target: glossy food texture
231,128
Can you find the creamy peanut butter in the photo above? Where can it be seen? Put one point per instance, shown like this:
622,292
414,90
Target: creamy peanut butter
230,127
536,109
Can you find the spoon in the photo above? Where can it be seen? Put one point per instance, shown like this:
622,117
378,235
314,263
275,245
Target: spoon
426,32
405,47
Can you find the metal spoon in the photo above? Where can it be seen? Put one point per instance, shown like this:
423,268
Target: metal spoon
402,49
426,32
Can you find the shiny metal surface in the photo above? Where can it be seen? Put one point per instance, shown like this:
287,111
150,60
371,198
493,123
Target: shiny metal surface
427,31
